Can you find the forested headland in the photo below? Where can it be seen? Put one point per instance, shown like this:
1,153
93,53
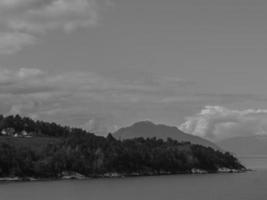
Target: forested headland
39,150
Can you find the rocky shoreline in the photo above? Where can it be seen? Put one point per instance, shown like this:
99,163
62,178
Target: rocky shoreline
77,176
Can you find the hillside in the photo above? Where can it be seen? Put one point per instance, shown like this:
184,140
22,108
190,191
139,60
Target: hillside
92,156
246,146
35,149
148,129
34,143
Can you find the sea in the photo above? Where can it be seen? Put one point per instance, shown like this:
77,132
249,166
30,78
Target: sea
250,185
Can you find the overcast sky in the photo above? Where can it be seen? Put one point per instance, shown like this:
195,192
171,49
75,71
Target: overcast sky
103,64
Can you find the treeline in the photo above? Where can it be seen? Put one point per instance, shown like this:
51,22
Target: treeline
92,156
37,128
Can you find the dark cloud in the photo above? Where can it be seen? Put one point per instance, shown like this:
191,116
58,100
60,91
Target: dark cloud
21,22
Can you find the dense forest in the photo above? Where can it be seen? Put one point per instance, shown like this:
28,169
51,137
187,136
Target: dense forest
36,128
77,151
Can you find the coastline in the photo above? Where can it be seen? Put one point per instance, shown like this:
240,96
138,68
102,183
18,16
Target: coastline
78,176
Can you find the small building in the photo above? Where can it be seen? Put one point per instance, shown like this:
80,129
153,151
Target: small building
24,133
3,132
8,132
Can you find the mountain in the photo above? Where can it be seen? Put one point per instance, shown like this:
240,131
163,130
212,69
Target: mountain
148,129
246,146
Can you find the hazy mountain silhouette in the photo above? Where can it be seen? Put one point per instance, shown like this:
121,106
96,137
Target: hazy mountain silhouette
148,129
246,146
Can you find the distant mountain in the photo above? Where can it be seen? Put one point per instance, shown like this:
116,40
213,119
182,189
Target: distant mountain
148,129
246,146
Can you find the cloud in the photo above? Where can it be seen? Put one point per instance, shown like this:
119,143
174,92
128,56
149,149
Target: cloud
22,108
23,81
89,100
100,125
216,123
43,15
23,21
13,76
11,42
70,96
32,80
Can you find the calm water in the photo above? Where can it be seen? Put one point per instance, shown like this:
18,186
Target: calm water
245,186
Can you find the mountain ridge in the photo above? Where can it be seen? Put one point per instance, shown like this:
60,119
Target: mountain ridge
148,129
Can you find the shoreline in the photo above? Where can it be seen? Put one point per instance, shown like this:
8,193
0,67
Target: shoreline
117,175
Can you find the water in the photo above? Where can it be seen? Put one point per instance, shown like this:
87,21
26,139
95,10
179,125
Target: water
255,162
244,186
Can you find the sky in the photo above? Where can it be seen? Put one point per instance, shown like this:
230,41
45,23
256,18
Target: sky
104,64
